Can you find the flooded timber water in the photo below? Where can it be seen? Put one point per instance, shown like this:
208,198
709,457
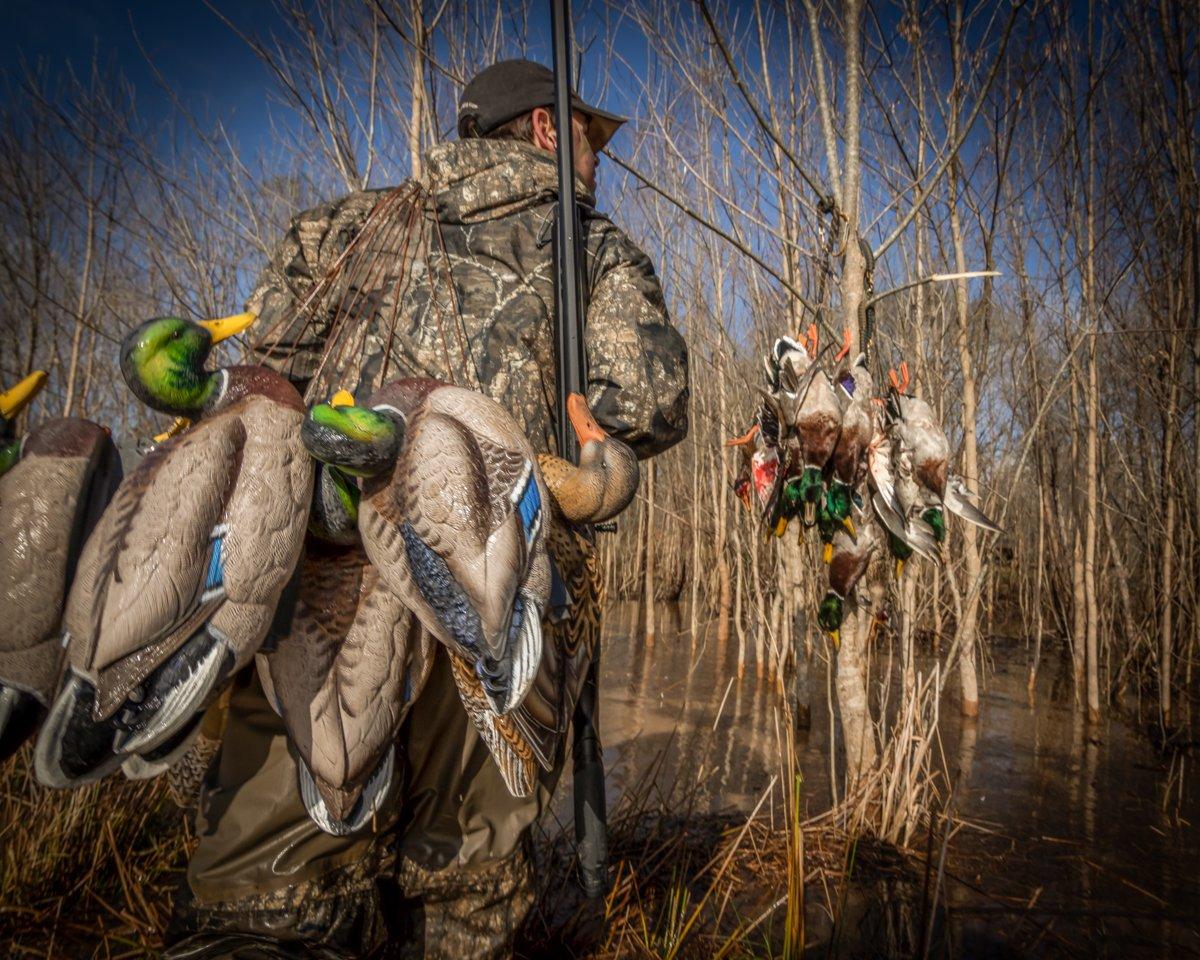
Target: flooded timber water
1065,840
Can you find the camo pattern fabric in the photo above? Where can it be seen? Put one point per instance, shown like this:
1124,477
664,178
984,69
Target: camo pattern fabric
464,911
339,914
452,276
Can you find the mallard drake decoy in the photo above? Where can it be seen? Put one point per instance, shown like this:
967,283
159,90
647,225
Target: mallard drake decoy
848,564
455,514
61,476
343,679
178,585
12,402
351,665
452,516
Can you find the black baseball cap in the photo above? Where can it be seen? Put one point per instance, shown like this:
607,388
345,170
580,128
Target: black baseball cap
510,88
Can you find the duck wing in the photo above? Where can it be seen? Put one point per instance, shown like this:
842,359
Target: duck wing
141,577
957,503
49,503
466,508
345,676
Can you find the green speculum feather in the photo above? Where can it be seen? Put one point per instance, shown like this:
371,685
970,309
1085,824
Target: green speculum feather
936,519
830,612
10,453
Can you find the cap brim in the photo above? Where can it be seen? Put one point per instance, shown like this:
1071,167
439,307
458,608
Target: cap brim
602,124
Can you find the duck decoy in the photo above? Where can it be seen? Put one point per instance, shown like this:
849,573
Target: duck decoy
454,514
577,584
343,680
452,517
178,584
53,486
351,665
12,402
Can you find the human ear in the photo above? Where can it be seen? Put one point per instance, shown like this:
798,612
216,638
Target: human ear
544,135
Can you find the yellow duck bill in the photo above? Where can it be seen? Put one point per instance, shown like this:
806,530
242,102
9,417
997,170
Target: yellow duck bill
16,399
228,327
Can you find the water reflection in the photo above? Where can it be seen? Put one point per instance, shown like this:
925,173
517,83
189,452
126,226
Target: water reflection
1060,845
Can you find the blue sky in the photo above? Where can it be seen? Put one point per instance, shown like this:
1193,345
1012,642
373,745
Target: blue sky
197,54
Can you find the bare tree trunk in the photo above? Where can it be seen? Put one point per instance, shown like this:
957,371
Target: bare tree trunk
648,568
967,625
1167,586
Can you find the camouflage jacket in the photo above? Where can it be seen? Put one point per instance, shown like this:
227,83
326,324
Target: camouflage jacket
452,276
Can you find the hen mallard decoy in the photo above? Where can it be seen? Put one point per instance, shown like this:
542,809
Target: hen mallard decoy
455,515
53,486
177,586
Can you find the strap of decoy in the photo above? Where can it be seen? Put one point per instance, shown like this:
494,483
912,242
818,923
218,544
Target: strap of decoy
826,236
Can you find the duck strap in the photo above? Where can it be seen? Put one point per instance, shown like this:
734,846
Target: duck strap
591,829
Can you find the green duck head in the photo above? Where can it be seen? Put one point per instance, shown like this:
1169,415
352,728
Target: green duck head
838,501
790,498
12,402
163,360
811,489
936,519
829,616
357,440
901,552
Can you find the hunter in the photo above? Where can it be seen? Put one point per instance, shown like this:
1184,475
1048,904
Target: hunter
444,869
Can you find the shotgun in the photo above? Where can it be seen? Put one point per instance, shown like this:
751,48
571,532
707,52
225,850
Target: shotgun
591,828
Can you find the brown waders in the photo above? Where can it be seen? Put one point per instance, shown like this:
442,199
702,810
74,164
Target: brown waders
444,872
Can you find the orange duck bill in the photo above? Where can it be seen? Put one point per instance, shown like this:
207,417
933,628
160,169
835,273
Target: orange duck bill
582,422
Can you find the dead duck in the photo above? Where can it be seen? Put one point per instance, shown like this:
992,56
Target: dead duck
455,516
810,415
855,391
178,584
922,451
53,487
848,565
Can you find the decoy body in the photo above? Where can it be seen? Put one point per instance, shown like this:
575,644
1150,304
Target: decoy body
455,515
343,679
53,487
177,586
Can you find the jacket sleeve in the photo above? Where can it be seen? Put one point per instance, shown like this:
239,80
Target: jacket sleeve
291,332
637,360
